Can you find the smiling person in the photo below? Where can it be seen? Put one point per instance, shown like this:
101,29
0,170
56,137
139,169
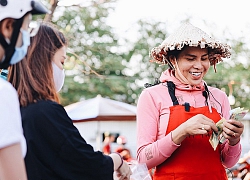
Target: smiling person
176,117
55,148
15,17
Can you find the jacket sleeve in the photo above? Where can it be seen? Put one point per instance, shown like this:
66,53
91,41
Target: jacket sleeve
73,158
151,150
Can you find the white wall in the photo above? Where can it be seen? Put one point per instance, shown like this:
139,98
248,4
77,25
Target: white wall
92,131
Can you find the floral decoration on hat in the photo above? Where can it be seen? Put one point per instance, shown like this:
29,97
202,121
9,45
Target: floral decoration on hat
190,35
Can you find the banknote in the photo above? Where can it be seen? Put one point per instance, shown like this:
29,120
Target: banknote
216,138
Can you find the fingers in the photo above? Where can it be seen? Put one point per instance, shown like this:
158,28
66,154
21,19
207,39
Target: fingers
232,131
206,124
232,137
124,172
232,126
234,134
206,128
199,124
125,175
235,123
209,124
203,127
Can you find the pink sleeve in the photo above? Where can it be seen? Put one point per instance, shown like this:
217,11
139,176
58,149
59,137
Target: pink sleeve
229,154
151,150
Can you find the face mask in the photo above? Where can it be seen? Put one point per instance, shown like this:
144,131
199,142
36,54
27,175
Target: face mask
58,75
20,52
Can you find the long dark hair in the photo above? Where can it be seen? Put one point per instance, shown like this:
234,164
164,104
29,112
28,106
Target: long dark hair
33,76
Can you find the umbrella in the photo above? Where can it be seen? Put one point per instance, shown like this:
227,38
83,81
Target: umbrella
101,109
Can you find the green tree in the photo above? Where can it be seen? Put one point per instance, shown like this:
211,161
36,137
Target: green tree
96,62
234,74
101,62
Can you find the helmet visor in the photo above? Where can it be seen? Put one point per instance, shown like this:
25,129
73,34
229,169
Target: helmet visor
38,8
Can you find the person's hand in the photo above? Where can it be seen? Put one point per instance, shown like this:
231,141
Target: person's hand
121,167
232,131
124,172
198,124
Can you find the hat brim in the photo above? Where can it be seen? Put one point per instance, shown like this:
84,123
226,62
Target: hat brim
217,53
38,8
189,35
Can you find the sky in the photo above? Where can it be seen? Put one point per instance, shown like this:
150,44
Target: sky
222,19
218,14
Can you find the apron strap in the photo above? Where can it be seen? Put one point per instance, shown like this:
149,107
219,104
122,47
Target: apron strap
206,94
171,89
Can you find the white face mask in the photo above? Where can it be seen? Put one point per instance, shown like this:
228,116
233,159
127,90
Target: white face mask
20,52
58,76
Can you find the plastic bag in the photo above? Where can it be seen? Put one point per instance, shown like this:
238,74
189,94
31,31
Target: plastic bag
139,172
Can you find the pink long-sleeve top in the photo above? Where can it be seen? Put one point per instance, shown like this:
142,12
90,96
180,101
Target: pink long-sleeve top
153,145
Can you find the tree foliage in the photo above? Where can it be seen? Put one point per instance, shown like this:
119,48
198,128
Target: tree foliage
101,62
96,62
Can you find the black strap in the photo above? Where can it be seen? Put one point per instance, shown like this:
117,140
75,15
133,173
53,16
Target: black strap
3,41
187,106
206,88
10,48
171,90
206,94
157,81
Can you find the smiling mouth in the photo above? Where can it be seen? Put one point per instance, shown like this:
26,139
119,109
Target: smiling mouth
196,73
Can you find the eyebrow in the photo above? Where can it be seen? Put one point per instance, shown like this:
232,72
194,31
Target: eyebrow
196,56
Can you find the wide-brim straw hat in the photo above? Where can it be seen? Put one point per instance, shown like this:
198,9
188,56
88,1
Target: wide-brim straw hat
189,35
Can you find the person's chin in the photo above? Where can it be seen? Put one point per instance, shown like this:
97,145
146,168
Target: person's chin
195,82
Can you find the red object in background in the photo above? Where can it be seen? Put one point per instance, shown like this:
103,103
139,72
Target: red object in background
106,149
241,170
122,150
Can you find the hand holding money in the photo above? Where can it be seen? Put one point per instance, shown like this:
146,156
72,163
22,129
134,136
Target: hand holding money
215,137
236,114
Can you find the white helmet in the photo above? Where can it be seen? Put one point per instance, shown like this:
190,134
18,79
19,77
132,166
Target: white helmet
18,8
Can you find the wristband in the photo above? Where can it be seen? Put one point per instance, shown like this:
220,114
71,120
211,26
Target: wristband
121,160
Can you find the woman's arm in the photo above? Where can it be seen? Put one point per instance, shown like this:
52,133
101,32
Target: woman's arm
229,154
151,149
12,163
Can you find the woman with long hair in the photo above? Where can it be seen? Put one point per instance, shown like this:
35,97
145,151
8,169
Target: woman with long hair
56,149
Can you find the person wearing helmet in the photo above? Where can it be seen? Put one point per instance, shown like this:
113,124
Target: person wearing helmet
15,16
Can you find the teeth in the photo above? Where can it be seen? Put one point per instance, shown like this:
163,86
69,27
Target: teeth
196,74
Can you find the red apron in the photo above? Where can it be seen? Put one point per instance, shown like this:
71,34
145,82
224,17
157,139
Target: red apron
195,159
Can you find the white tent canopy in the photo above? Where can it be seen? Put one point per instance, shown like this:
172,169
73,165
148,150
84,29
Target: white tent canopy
101,109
